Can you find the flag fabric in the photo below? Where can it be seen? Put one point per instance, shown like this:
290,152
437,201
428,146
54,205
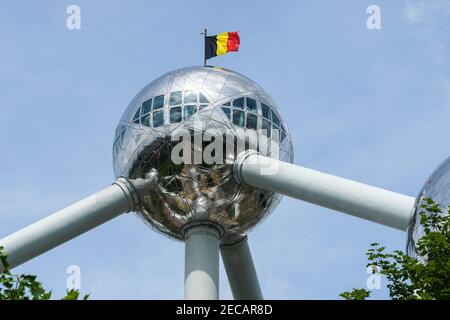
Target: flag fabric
221,43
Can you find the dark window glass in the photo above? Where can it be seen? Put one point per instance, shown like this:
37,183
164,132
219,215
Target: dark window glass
266,127
175,115
147,106
158,118
227,112
190,97
239,103
252,121
175,98
251,104
137,114
265,111
227,103
158,102
189,110
283,136
145,120
275,119
136,121
203,99
238,118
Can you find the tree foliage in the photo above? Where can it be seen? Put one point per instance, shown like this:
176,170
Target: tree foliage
25,286
422,277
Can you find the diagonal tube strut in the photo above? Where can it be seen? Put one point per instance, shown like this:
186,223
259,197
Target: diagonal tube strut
241,271
122,196
357,199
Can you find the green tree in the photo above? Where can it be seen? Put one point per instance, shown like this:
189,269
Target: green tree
25,286
422,277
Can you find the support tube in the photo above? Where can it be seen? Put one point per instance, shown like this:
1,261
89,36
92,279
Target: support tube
68,223
357,199
241,271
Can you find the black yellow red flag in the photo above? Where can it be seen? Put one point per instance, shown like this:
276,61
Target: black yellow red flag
221,43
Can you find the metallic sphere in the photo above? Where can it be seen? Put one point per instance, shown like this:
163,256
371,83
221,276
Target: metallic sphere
437,187
209,104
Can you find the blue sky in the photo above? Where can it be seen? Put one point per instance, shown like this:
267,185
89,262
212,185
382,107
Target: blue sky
373,106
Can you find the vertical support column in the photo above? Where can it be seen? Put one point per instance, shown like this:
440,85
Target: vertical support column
201,277
241,271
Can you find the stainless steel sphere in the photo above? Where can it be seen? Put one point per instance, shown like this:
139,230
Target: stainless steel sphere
437,187
209,102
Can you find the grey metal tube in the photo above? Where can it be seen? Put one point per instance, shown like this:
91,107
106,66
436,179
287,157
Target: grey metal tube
241,271
68,223
360,200
201,277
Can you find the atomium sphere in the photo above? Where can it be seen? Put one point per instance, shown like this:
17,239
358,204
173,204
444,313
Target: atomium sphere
206,106
437,187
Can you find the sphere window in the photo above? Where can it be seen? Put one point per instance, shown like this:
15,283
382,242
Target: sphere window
158,118
252,121
227,112
239,103
146,120
265,111
137,115
158,102
189,110
175,115
147,106
238,118
275,119
203,99
251,105
175,98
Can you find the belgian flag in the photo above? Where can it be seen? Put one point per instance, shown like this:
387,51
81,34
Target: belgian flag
221,43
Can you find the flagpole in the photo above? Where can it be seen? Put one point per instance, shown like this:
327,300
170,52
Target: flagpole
204,43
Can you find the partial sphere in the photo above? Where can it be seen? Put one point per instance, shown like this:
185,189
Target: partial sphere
209,104
437,187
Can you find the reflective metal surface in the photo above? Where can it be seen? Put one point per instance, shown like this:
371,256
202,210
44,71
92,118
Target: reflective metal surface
217,103
437,187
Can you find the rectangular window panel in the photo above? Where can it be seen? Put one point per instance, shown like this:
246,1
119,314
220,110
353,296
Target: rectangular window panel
146,120
251,104
227,112
175,98
189,110
275,119
190,97
266,128
227,103
238,118
158,102
175,115
147,106
239,103
252,121
265,111
158,118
